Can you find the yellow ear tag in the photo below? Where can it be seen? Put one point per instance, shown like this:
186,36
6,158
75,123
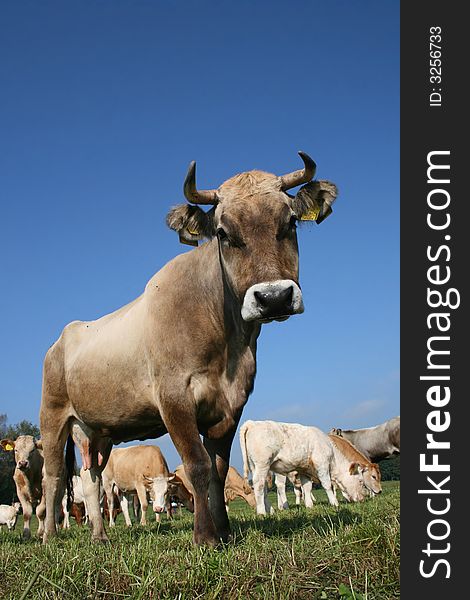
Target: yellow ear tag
192,232
9,447
311,215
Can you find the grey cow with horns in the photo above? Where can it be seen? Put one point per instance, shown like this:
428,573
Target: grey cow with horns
181,358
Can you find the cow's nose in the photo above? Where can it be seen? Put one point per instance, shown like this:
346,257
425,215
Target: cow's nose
275,302
158,509
22,464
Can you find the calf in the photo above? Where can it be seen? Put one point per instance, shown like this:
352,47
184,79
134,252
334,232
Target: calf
375,443
28,478
286,447
369,473
9,514
138,469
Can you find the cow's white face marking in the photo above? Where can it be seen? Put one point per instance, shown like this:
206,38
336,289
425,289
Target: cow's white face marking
253,309
158,491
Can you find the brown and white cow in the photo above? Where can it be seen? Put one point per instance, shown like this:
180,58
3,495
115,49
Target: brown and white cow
369,473
28,477
181,358
139,470
376,443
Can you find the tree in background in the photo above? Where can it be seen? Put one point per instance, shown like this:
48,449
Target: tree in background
390,469
7,459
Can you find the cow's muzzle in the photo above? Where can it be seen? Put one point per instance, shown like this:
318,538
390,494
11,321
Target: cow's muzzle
274,300
22,465
158,509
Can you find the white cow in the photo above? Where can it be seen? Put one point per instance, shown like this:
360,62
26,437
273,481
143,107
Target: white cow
375,443
286,447
9,514
78,498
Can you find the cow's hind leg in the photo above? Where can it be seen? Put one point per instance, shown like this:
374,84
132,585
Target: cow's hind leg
282,502
124,501
260,489
307,485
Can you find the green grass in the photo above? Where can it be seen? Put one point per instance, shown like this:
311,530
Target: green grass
351,553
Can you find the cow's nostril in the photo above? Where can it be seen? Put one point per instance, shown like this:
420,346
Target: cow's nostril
262,298
275,301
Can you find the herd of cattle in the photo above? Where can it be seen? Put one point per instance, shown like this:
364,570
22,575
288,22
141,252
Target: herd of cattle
181,359
133,475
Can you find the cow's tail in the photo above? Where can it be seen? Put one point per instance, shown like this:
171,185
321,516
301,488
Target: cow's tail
246,468
70,465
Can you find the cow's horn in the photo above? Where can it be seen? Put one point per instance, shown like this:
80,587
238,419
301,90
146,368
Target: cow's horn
194,195
299,177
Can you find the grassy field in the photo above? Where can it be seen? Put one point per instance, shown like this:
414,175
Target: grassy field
347,553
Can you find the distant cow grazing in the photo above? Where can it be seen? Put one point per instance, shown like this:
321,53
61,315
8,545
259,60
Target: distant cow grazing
28,479
181,358
237,487
370,475
286,447
9,514
376,443
140,470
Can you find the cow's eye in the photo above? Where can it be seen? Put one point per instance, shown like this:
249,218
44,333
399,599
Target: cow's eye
293,222
221,234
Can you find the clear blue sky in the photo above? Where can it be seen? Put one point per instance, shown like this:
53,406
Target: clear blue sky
103,105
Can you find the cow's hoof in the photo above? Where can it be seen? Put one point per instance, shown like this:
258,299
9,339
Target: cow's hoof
26,534
100,540
226,537
210,541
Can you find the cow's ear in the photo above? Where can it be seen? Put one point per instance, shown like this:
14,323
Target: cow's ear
356,468
7,445
191,222
313,201
38,444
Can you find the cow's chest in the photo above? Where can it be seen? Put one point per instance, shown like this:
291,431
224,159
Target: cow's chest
221,390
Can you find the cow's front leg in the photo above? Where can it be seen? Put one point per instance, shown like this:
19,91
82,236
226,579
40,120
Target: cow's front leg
219,452
95,454
27,512
142,496
182,427
53,434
